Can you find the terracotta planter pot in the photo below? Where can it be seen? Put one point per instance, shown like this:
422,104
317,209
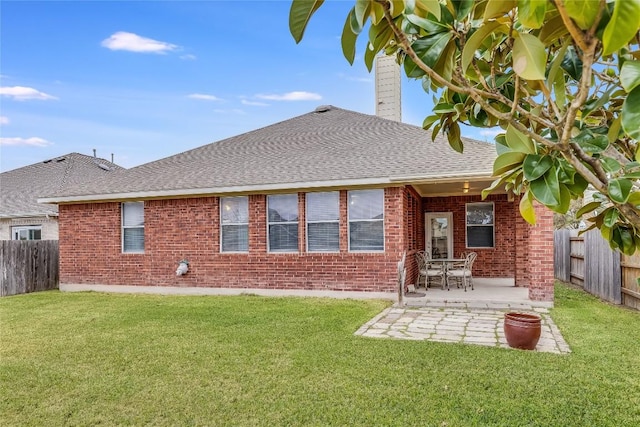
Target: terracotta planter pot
522,330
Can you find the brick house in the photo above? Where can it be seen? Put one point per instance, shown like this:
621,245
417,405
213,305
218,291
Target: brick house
327,201
21,216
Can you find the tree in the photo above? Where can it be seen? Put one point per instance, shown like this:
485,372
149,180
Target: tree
560,77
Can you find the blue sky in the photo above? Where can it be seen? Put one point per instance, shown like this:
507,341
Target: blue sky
148,79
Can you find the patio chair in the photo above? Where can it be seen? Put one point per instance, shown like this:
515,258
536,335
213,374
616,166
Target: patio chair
428,270
463,274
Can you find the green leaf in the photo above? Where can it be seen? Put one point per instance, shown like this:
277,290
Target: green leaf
631,114
348,39
534,166
589,207
572,63
555,64
526,208
453,135
361,11
475,41
494,185
546,189
610,165
429,121
431,6
519,142
462,8
622,27
369,56
634,198
610,217
529,57
496,8
592,143
507,161
620,189
614,131
531,12
630,75
583,12
430,48
299,14
628,243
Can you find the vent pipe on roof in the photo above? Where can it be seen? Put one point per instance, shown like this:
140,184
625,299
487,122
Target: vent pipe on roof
94,153
111,157
388,90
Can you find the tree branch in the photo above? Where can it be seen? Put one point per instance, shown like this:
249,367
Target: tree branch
576,33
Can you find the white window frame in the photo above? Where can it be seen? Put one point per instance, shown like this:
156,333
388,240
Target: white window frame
467,225
122,205
350,221
297,223
15,231
222,225
337,221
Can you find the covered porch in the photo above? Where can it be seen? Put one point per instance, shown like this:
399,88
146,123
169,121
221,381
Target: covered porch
447,217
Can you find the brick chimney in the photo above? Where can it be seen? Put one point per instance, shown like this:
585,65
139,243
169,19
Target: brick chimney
388,104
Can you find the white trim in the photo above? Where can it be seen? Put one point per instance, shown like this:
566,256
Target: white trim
297,223
18,228
261,188
384,243
307,222
179,290
122,228
221,225
492,225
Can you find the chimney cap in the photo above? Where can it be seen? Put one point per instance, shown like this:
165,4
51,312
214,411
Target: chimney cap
323,108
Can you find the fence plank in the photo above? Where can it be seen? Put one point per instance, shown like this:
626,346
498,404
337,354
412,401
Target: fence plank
562,255
28,266
602,276
630,274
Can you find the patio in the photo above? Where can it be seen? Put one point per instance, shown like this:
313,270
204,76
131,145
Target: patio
488,293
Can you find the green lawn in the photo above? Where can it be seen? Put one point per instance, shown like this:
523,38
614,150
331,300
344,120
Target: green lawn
88,359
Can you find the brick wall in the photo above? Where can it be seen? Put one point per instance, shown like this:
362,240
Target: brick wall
540,255
492,262
90,249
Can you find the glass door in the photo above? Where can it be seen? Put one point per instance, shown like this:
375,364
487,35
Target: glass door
439,234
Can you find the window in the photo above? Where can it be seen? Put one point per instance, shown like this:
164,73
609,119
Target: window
234,224
283,222
133,227
480,225
29,232
366,220
323,222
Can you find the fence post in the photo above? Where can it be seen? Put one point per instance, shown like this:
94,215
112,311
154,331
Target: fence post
602,274
562,255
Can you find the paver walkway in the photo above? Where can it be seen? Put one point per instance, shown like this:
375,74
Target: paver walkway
457,325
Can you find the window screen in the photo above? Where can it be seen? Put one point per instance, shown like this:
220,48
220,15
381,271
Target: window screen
480,225
366,220
283,222
234,224
133,227
323,222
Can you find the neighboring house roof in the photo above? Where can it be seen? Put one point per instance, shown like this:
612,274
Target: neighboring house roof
329,147
20,188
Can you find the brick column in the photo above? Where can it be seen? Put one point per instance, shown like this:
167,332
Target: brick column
521,246
541,255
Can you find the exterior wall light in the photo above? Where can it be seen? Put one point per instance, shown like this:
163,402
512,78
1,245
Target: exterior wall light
183,267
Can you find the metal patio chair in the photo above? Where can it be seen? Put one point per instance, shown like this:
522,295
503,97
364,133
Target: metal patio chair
463,274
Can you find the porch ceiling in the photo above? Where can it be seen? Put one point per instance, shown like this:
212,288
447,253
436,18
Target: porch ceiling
453,187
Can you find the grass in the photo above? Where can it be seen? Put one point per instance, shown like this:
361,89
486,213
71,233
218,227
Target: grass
89,359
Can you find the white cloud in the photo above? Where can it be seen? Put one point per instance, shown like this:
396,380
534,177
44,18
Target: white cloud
21,93
123,40
253,103
188,57
33,141
4,120
292,96
204,97
491,132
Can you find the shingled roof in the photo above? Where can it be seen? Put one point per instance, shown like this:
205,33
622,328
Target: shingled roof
20,188
329,147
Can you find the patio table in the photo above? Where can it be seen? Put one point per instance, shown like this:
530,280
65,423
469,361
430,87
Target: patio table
446,264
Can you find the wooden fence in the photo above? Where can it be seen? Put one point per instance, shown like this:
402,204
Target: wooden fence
588,261
28,266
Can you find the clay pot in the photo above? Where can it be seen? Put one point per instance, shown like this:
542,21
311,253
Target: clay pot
522,330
